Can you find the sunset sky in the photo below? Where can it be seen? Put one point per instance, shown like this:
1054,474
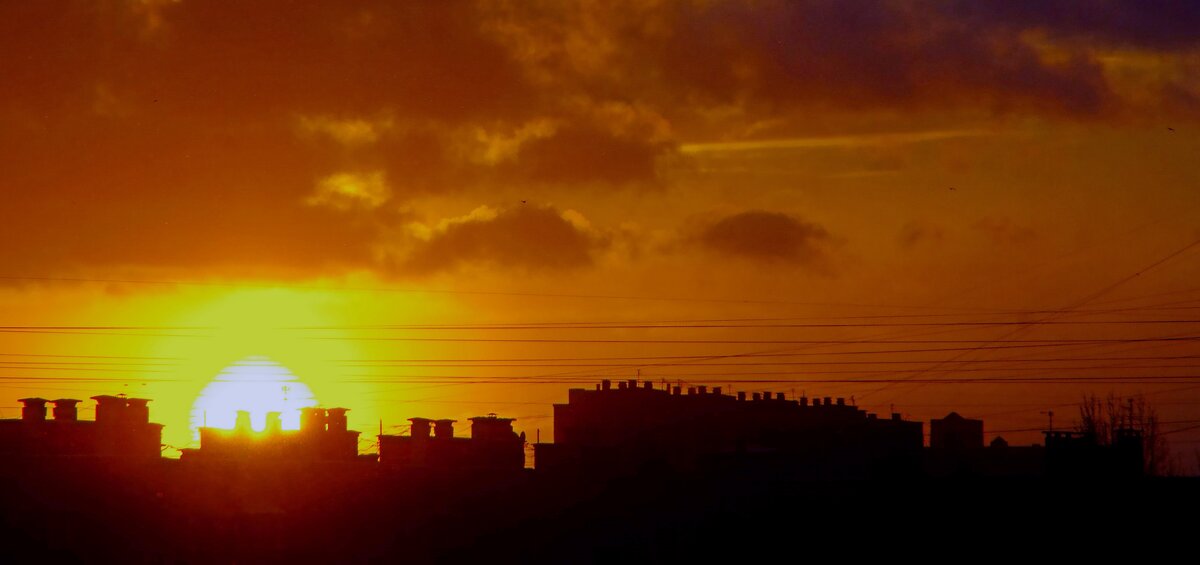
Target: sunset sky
446,209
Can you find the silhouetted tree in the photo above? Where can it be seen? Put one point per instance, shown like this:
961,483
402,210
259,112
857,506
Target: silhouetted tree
1101,418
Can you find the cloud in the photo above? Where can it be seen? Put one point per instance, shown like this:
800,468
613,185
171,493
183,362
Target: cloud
349,132
530,238
164,133
824,142
687,58
769,237
347,191
576,155
1113,22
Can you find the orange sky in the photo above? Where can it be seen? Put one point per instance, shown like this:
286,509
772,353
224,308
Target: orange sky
187,184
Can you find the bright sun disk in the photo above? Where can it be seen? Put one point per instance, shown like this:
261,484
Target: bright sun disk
257,385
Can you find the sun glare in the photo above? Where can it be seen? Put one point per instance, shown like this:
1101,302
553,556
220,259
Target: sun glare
257,385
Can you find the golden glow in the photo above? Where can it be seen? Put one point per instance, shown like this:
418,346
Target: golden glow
256,385
245,335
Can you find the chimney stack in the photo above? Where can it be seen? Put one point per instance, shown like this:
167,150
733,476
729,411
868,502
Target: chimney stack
703,389
605,384
780,396
741,395
65,410
312,420
274,424
136,411
420,427
242,424
841,401
33,410
336,419
443,429
804,401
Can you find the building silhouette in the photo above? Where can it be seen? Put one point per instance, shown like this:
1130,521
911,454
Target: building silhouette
323,436
955,433
121,430
635,427
431,444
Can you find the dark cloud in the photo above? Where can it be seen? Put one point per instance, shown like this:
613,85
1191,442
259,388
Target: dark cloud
770,237
532,238
582,155
1136,23
776,55
202,133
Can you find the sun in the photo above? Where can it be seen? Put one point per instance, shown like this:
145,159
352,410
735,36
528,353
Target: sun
257,385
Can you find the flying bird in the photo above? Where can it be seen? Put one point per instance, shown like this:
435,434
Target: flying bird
1172,130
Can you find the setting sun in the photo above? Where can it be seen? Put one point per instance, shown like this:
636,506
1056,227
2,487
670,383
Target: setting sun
256,385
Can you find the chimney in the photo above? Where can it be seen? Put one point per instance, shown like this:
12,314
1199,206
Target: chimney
33,410
648,385
312,420
420,427
136,411
632,383
817,401
780,396
110,410
716,390
605,384
895,416
443,429
871,416
691,390
336,419
741,395
703,389
65,410
828,401
621,385
274,424
841,401
804,401
676,390
242,424
757,397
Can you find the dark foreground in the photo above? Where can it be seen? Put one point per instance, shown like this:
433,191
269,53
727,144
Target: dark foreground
245,513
